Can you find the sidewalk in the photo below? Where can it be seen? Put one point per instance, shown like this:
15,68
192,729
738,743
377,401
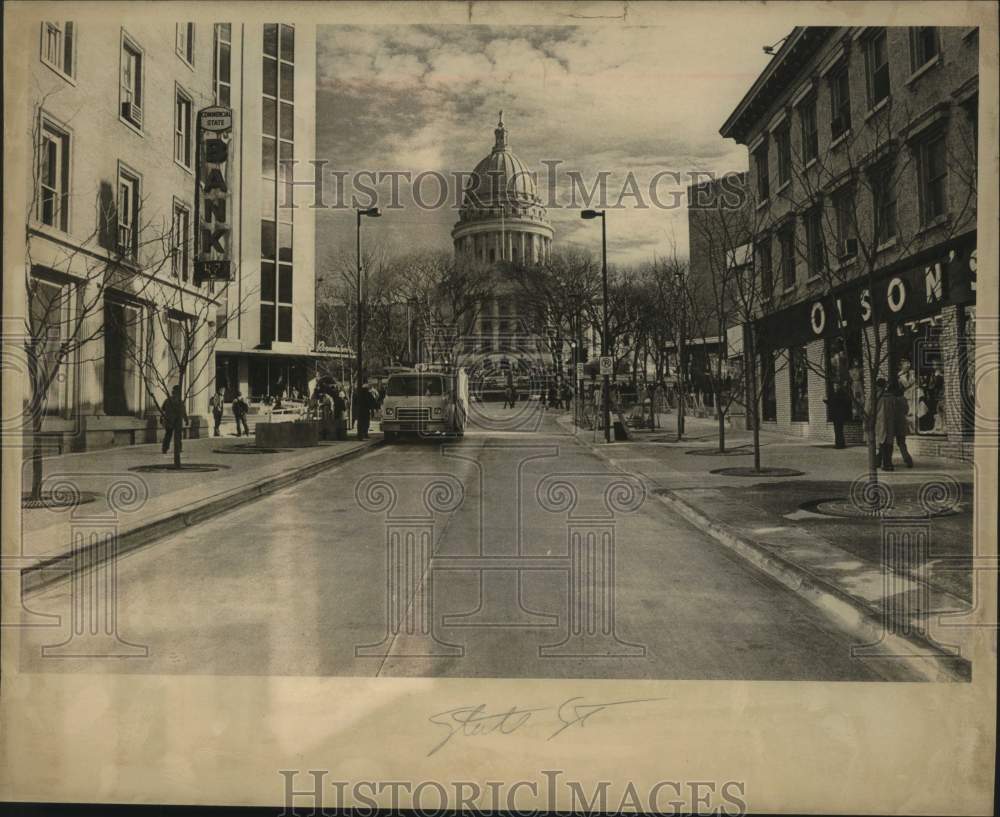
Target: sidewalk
806,531
145,506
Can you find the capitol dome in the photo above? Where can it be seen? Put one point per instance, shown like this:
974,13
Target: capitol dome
502,218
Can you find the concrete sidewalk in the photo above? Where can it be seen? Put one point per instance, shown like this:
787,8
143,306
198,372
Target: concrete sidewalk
888,578
113,492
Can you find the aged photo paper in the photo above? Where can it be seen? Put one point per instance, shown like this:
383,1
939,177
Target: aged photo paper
500,405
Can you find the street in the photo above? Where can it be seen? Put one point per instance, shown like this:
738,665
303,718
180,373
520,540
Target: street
300,583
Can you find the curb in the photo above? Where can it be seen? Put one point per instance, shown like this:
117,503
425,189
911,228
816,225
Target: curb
925,659
58,568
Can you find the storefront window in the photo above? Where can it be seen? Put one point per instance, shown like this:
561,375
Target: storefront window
967,362
769,394
799,378
844,356
916,362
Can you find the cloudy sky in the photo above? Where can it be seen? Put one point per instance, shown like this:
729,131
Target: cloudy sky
626,100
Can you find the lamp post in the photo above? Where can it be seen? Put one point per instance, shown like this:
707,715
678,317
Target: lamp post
372,212
588,214
681,331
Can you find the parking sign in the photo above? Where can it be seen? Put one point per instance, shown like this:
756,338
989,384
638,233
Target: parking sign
606,365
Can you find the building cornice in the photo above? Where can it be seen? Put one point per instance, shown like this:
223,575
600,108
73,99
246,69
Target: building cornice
785,67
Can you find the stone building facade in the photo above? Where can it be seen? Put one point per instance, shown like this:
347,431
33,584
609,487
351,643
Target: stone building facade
862,146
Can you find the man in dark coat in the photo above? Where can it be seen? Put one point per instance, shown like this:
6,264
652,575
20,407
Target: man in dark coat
174,418
839,406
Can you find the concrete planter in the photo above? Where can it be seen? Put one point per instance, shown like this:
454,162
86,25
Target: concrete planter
290,434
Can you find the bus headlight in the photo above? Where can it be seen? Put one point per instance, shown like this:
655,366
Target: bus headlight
436,411
388,412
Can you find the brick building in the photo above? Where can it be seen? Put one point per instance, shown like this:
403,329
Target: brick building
112,234
862,146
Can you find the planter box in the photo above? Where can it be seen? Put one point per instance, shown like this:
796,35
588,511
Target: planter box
290,434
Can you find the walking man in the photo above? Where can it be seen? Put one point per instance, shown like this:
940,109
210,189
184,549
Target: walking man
174,418
364,411
217,403
240,411
839,406
901,424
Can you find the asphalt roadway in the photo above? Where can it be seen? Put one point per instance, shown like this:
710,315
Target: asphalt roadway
514,552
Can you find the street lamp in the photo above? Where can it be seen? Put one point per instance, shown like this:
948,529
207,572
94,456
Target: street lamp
589,214
371,212
681,330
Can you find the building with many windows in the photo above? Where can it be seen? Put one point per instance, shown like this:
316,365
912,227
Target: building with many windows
117,309
862,146
267,73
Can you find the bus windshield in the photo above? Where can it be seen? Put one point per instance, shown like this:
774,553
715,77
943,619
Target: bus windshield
415,385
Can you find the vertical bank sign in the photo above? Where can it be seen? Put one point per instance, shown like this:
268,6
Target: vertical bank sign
213,203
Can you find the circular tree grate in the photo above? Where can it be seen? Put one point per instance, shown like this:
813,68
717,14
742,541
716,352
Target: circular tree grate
748,471
249,449
58,500
739,451
846,508
169,468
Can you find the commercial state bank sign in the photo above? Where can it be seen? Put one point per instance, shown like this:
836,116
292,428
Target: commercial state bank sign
213,206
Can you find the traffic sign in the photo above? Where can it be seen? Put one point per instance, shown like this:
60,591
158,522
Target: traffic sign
607,365
579,371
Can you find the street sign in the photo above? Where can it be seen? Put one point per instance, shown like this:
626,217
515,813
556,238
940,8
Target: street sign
579,371
607,365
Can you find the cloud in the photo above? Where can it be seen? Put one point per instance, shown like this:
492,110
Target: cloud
620,99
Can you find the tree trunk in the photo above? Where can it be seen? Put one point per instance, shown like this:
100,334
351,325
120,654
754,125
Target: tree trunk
722,423
36,455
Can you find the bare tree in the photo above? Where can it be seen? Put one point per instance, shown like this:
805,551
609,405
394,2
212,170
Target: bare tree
853,230
67,284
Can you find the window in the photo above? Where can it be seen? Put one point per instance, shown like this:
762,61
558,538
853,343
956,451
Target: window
185,42
180,236
877,68
763,252
222,64
786,241
53,177
924,46
128,214
48,308
843,207
933,178
843,369
277,152
840,102
814,240
122,350
884,202
58,47
768,391
182,129
784,142
131,83
798,367
810,134
760,161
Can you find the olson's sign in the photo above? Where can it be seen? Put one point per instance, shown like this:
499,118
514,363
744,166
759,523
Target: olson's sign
214,203
909,294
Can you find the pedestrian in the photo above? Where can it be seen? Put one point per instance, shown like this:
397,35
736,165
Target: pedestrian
240,411
217,402
339,409
363,405
901,426
508,396
839,409
174,416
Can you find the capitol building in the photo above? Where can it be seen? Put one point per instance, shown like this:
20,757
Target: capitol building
502,223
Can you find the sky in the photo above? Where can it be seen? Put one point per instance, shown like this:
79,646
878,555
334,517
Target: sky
625,100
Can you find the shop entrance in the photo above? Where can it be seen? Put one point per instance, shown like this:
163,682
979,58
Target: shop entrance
916,361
